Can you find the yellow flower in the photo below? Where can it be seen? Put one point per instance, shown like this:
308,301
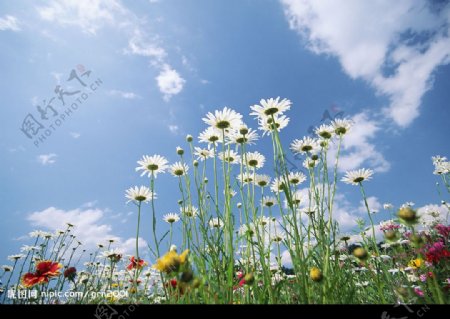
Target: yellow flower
171,261
416,263
315,274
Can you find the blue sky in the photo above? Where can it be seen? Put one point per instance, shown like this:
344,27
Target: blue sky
164,64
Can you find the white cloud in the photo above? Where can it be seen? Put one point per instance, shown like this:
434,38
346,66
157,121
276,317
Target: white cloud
393,45
169,82
373,203
88,15
46,159
124,95
357,149
173,129
75,135
129,246
286,259
88,228
141,44
9,23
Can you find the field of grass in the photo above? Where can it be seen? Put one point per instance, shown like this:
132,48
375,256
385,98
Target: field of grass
236,226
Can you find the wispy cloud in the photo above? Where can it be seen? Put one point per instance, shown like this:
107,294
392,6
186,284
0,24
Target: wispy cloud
174,129
75,135
9,23
89,228
169,82
373,203
382,42
47,159
88,15
124,95
358,148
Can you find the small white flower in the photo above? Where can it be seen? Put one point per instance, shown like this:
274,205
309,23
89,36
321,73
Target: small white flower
224,119
190,211
268,125
357,176
296,178
7,268
341,126
179,169
254,160
139,194
229,156
203,153
152,165
270,107
215,223
388,206
15,257
269,201
305,145
171,218
324,131
262,180
210,136
243,135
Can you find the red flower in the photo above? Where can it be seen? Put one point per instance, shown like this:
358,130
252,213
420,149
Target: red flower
70,273
173,283
436,252
44,271
136,264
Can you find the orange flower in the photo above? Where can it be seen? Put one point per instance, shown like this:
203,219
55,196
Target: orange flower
44,271
136,263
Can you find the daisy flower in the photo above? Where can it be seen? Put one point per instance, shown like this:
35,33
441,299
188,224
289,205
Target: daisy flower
7,268
341,126
139,194
247,230
278,185
210,135
36,233
245,178
262,180
254,159
152,165
309,163
179,169
324,131
357,176
305,145
171,218
268,201
270,107
203,153
215,223
296,178
242,135
268,125
224,119
229,156
263,221
191,211
441,165
15,257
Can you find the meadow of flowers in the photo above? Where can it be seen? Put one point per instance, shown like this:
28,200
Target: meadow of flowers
235,225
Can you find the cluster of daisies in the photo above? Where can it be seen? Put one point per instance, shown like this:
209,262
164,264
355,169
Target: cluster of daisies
227,127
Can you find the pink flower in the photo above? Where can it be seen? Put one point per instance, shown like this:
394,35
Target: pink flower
418,292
